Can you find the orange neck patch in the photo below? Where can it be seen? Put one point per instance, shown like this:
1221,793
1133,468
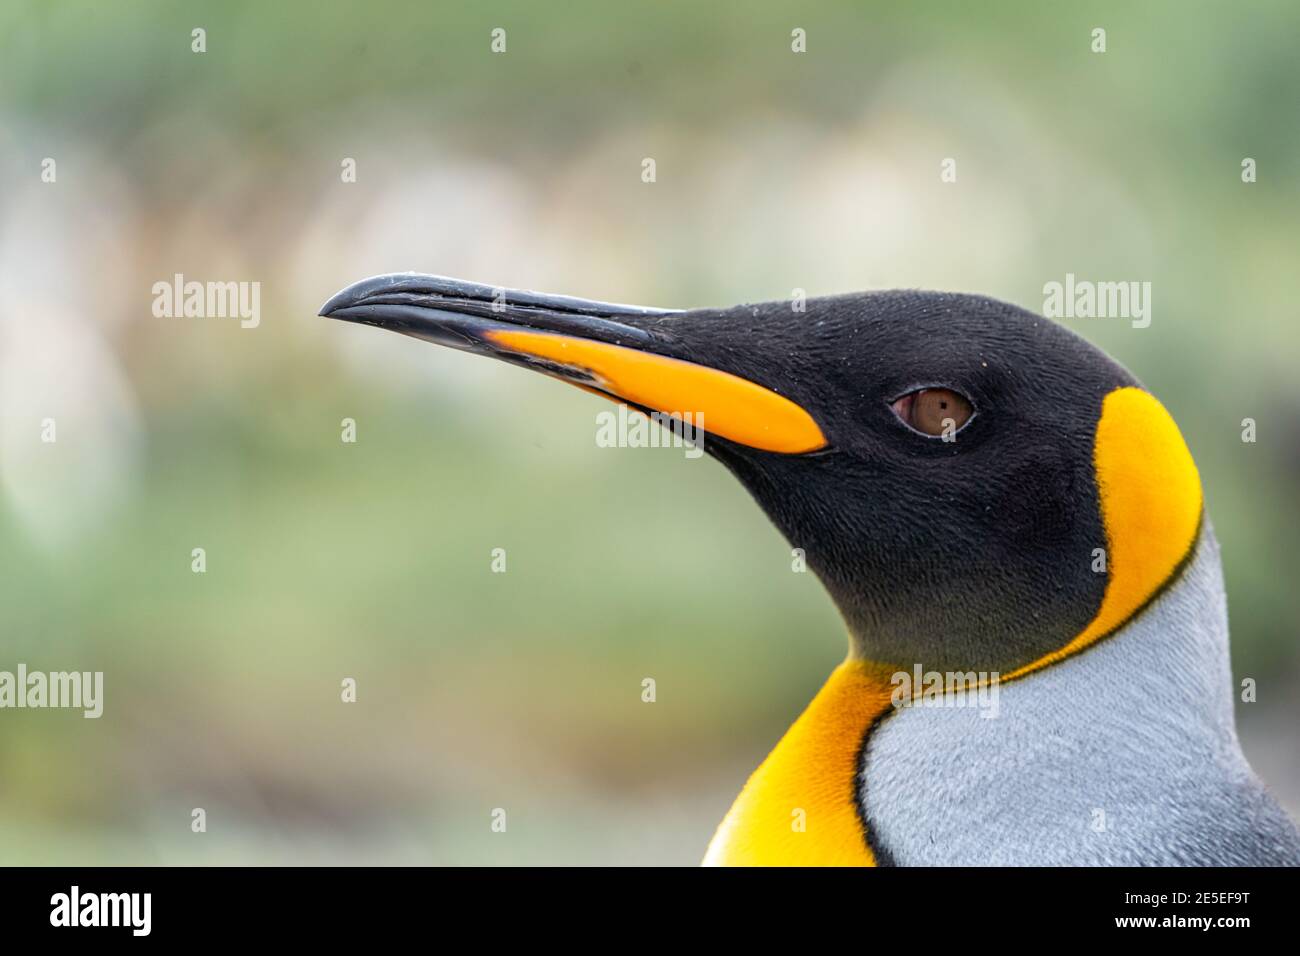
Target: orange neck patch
800,808
1151,505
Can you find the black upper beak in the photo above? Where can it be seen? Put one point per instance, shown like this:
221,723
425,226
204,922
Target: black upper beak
457,313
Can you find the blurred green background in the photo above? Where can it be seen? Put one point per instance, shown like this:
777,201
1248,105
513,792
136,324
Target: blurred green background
371,560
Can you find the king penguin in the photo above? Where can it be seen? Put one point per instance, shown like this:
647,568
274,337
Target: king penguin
983,494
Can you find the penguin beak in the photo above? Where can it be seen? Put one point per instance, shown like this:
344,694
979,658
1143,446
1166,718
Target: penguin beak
622,352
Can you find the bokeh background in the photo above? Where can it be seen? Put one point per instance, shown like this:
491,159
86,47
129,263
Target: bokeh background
371,560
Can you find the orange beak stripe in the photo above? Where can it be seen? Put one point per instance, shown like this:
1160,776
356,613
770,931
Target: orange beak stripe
722,404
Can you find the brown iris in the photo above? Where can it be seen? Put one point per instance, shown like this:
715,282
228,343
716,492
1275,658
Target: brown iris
933,411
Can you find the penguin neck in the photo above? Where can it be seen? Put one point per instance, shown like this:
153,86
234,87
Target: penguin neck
1186,620
1173,654
1135,723
811,801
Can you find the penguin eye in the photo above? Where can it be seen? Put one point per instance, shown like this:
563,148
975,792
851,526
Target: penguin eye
933,411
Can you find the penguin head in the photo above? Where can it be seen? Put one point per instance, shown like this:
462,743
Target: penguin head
977,487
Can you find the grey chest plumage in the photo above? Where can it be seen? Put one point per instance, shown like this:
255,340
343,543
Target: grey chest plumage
1126,754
